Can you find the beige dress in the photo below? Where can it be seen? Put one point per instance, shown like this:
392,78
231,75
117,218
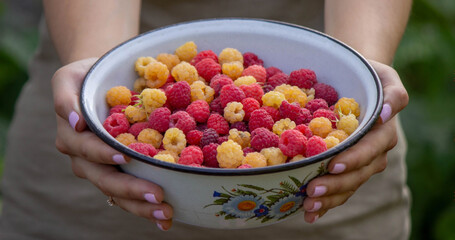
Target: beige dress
42,199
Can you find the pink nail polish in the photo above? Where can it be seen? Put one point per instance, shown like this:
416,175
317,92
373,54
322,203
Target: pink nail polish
160,227
386,112
319,191
316,206
338,168
73,118
150,197
119,159
159,214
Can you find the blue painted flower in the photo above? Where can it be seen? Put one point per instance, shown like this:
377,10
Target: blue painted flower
285,206
243,206
216,194
261,211
302,191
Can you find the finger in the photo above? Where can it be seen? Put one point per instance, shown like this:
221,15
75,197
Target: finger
312,217
66,85
314,205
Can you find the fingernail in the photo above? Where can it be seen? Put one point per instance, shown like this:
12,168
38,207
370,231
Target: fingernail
150,197
319,191
316,206
119,159
338,168
160,227
386,112
315,218
73,118
159,214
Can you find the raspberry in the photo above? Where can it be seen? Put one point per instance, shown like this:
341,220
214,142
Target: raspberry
126,138
117,109
208,68
183,121
263,138
272,112
135,114
185,72
139,84
135,100
119,95
241,126
278,79
136,128
116,124
340,134
150,136
274,156
271,71
215,106
253,91
242,138
283,125
244,166
210,153
203,55
232,69
199,110
228,55
289,110
249,105
260,118
160,119
331,141
229,154
179,95
209,136
302,78
305,130
273,99
218,123
292,94
170,60
165,158
230,93
218,81
152,99
327,114
194,137
200,91
174,140
201,126
248,150
304,116
233,112
143,148
222,139
347,106
250,59
174,155
187,51
348,123
320,126
141,63
267,88
156,74
245,80
316,104
292,143
191,155
297,158
315,145
326,92
257,71
255,160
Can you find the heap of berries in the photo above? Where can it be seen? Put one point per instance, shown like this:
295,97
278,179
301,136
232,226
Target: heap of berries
226,111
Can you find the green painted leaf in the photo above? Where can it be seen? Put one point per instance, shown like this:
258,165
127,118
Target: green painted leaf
252,187
296,181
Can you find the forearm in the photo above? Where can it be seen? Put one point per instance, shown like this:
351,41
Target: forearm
372,27
85,28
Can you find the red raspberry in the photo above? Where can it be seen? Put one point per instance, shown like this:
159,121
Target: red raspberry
304,116
209,136
278,79
257,71
183,121
203,55
209,152
241,126
199,110
218,82
315,145
315,104
201,126
263,138
249,105
117,109
302,78
272,71
222,139
326,92
193,137
218,123
250,59
327,114
292,143
272,112
159,119
231,93
260,118
116,124
305,130
244,166
207,68
136,128
179,95
215,106
191,155
248,150
144,148
289,110
267,88
134,98
253,91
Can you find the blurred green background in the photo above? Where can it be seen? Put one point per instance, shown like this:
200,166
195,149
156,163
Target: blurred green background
425,62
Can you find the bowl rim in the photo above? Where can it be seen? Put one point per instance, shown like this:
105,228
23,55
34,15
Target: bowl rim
235,172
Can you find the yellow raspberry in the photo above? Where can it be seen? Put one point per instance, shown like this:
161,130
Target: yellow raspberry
338,133
320,126
228,55
245,80
119,95
165,158
126,138
274,156
174,140
240,137
297,158
172,153
141,63
185,72
156,74
232,69
293,94
229,154
255,160
273,99
152,99
331,141
150,136
135,114
201,91
309,93
282,125
170,60
140,84
348,123
202,80
233,112
347,106
187,51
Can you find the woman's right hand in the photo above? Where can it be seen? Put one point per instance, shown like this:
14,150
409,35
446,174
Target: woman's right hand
94,160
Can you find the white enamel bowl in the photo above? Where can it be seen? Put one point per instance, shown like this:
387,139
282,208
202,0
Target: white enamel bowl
233,198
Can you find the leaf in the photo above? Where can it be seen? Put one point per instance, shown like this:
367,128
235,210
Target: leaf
220,201
296,181
228,217
289,187
266,219
242,192
252,187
